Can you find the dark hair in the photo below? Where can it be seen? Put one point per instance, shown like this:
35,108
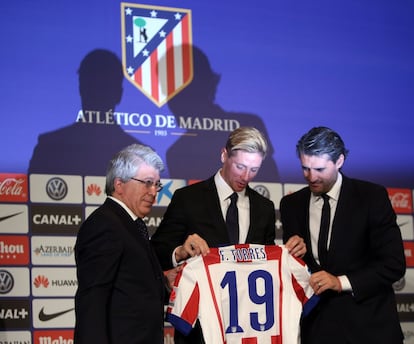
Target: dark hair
319,141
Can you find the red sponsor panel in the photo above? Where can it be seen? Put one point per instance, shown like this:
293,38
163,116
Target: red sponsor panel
401,200
55,336
409,253
14,250
13,187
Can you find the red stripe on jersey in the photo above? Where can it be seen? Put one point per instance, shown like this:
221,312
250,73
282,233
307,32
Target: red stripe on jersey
209,259
190,312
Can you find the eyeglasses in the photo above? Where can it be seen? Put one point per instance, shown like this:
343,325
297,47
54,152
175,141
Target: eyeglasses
149,183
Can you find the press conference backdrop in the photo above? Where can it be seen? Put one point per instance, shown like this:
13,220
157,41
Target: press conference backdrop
80,80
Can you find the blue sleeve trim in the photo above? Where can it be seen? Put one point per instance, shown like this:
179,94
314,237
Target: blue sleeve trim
310,304
179,324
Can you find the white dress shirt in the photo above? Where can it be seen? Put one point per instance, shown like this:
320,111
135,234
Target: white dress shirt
315,212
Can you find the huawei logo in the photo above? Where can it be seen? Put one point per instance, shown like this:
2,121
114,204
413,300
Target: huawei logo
40,281
94,189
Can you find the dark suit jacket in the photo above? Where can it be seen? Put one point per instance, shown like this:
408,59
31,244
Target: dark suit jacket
196,209
120,296
366,246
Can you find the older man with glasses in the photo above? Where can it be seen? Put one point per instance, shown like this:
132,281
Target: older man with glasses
121,287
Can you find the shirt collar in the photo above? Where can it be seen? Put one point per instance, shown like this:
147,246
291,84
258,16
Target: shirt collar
123,205
336,188
333,192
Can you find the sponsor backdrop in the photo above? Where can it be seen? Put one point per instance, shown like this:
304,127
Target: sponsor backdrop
81,79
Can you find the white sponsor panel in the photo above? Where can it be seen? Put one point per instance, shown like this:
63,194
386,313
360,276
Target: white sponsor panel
406,226
291,188
12,337
53,250
272,191
53,313
170,185
89,210
14,218
54,281
47,188
14,282
408,330
94,190
406,284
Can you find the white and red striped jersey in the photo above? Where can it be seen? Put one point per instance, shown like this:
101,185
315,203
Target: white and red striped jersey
244,294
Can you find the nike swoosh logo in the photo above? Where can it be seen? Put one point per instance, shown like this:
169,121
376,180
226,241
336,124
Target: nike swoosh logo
9,216
46,317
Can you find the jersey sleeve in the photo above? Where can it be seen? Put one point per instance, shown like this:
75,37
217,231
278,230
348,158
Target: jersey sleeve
301,286
182,310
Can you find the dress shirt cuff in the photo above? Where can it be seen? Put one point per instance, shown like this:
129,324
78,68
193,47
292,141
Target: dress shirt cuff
174,261
346,285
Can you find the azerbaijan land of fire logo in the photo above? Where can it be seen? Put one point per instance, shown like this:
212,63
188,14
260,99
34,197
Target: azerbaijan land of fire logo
157,49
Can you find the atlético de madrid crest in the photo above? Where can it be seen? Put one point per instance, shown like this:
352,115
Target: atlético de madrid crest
157,49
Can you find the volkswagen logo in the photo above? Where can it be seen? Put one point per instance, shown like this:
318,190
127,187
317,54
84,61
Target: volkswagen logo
56,188
6,282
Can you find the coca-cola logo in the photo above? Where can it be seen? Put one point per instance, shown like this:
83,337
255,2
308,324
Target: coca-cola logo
13,187
400,200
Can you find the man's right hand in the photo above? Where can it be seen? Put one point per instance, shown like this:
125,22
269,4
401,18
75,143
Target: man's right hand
194,245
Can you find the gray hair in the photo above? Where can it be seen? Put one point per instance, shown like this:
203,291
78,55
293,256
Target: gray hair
319,141
247,139
127,162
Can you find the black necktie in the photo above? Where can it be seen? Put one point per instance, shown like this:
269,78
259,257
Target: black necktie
142,228
324,230
232,220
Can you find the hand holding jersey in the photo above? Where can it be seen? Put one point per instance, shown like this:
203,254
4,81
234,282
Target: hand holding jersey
242,291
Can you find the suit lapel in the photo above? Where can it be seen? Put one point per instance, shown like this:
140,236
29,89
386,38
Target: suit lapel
341,218
214,208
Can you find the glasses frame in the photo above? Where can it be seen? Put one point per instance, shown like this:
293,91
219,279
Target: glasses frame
149,183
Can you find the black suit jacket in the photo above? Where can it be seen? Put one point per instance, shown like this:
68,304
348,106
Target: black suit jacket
366,246
120,296
196,209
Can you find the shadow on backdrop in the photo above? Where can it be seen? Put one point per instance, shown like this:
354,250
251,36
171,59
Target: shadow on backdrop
201,147
84,148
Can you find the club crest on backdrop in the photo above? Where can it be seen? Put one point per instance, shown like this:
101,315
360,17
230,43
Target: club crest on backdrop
157,49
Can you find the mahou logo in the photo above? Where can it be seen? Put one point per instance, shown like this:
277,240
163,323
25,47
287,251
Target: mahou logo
401,200
53,337
14,250
13,188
